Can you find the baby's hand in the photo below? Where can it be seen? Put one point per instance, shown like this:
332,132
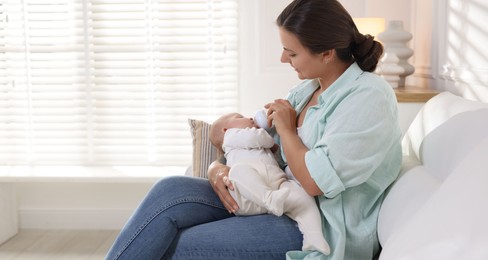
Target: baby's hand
275,148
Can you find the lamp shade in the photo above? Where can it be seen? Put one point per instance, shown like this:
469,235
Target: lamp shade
370,25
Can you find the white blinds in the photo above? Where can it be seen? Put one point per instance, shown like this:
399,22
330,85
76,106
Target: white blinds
112,82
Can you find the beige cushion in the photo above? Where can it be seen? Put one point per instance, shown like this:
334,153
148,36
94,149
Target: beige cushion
204,153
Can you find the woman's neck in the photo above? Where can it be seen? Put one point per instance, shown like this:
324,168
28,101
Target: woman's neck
331,75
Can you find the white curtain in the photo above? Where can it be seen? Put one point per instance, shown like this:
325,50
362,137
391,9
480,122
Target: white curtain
112,82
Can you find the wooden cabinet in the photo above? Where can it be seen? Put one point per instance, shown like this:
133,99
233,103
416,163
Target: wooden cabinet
414,94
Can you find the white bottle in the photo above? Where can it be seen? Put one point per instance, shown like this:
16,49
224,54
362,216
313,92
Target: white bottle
261,119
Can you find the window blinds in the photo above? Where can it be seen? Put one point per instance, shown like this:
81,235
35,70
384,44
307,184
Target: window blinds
112,82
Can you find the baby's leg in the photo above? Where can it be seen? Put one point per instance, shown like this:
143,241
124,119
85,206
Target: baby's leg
302,208
252,191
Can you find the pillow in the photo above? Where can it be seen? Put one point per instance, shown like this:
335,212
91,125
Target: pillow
434,113
204,153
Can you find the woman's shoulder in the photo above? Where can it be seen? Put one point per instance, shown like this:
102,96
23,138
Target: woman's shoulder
369,81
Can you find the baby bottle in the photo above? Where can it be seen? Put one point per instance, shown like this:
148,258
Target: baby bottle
261,119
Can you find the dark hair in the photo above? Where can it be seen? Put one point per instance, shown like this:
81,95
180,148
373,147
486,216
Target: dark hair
322,25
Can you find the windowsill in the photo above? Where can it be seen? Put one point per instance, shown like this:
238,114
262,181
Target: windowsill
122,174
411,94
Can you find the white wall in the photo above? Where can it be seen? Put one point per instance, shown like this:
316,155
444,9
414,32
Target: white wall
61,205
461,57
262,77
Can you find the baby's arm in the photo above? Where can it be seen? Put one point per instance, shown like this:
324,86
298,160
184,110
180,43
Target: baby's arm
247,138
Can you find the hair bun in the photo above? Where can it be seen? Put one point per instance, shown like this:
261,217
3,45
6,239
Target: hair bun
363,46
366,51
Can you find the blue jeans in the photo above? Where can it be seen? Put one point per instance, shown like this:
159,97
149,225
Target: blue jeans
182,218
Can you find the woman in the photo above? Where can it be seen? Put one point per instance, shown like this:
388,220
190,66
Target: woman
339,137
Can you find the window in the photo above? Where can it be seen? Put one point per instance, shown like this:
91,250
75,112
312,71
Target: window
112,82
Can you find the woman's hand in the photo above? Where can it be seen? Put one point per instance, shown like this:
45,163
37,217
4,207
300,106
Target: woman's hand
218,176
284,118
282,115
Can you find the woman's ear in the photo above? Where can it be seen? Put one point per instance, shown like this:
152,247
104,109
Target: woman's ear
327,56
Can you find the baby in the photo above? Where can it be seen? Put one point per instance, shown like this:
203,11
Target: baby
260,185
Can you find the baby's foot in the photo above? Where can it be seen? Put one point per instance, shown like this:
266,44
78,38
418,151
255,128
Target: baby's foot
315,241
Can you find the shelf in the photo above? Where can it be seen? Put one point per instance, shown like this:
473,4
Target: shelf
414,94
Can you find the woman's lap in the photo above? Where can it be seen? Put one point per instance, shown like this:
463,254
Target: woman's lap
184,213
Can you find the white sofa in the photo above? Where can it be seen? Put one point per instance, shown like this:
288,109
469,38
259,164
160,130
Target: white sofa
438,206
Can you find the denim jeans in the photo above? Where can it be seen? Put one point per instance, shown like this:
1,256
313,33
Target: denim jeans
182,218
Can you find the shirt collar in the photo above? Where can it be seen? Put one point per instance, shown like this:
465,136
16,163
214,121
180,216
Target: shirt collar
346,80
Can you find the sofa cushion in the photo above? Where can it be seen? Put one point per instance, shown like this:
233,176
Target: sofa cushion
441,151
445,146
434,113
408,196
441,135
451,225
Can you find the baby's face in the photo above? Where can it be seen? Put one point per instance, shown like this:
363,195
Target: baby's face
236,120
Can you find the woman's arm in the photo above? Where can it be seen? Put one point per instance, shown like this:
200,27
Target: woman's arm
218,177
284,119
295,154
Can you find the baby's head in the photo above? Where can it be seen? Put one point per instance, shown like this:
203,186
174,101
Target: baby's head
227,121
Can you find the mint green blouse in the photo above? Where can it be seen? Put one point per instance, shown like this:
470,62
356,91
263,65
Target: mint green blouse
354,154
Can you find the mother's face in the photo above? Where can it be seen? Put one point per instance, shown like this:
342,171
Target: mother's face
305,63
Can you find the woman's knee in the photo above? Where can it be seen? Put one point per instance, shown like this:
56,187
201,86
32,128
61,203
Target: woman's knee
179,183
179,187
172,182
